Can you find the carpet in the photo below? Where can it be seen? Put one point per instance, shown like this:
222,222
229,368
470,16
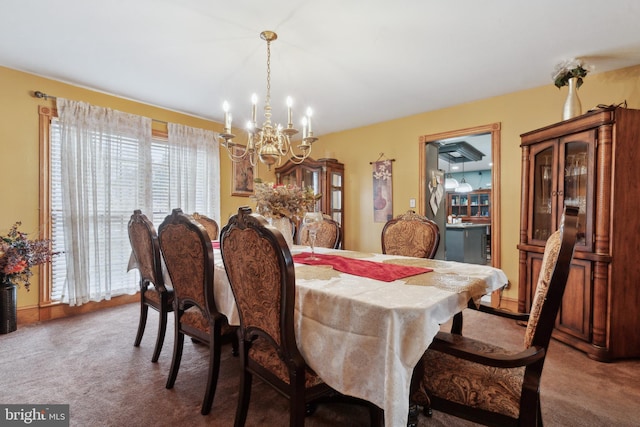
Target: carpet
89,362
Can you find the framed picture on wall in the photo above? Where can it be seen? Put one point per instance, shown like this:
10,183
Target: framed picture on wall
242,172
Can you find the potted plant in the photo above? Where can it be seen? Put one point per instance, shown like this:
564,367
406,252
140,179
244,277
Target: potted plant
18,254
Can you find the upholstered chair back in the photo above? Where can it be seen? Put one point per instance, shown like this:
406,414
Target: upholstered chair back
410,234
260,270
209,224
146,250
328,235
188,255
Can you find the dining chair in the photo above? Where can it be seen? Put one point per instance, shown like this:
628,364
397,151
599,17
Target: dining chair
482,382
410,234
328,235
153,292
209,224
262,277
188,255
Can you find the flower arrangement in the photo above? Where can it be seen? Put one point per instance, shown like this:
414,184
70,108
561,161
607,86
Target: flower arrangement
280,201
568,70
18,254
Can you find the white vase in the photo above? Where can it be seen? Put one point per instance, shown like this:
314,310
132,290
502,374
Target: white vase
572,106
284,226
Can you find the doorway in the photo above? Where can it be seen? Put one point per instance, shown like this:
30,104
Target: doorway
483,138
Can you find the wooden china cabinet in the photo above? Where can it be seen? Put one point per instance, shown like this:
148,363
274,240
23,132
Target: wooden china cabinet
325,176
593,162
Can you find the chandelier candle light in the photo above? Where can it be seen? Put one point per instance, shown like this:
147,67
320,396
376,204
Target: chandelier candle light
270,142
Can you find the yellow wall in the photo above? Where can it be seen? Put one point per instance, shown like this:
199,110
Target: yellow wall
19,167
517,112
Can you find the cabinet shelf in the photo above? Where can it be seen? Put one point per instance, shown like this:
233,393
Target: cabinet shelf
474,206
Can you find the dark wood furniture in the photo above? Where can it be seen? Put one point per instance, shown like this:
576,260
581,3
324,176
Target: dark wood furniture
328,234
188,255
262,276
325,176
153,293
474,206
410,234
484,383
592,161
209,224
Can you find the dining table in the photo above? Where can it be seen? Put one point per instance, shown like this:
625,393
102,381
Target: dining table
363,336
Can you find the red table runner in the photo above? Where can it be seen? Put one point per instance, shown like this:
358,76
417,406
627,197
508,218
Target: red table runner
363,268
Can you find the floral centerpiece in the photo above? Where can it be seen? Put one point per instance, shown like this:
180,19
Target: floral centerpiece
283,201
18,254
573,68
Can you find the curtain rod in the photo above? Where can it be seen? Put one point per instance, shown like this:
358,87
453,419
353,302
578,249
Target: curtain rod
46,97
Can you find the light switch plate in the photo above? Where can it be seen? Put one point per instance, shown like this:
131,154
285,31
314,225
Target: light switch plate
412,203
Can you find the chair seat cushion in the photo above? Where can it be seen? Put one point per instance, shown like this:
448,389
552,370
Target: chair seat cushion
265,355
471,384
193,317
152,294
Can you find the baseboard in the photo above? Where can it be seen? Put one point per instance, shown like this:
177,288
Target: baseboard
499,301
33,314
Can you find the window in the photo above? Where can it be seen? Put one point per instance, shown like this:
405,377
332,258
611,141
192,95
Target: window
117,201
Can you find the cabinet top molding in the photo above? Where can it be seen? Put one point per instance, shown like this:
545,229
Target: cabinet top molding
592,119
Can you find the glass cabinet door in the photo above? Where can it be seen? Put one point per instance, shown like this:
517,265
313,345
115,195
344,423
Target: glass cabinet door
576,181
479,204
544,193
311,178
336,197
562,174
458,204
289,178
484,204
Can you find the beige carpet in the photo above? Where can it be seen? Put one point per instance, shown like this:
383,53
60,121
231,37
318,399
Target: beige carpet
89,362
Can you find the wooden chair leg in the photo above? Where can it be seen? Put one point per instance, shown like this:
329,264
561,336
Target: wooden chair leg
144,308
214,369
243,399
162,329
297,409
175,361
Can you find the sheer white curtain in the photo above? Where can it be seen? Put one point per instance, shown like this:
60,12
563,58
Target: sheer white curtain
194,170
106,173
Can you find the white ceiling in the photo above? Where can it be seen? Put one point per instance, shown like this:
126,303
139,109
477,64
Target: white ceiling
355,62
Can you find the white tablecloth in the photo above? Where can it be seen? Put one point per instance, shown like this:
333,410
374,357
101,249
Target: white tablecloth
364,336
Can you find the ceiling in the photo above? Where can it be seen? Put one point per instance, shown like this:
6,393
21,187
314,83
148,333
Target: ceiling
354,62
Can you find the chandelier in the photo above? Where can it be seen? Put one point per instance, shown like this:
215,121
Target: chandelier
270,142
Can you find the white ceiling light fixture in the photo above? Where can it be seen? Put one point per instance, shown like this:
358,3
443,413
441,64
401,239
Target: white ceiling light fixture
464,186
450,183
271,142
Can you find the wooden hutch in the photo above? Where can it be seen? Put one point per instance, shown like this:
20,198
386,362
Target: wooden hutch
325,176
593,162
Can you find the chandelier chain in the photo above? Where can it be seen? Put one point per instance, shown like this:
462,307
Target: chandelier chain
268,99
